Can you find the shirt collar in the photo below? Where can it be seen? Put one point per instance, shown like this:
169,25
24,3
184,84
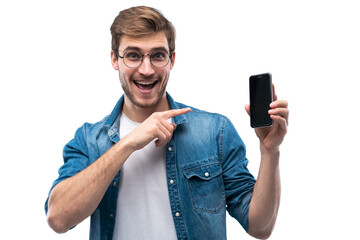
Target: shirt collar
180,119
112,122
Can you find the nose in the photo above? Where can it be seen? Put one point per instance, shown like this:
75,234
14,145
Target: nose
146,67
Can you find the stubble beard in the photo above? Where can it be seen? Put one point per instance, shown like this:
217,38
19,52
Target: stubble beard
126,88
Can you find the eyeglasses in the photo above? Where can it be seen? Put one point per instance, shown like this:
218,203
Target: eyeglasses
133,58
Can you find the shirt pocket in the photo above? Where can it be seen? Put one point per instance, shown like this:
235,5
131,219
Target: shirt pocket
205,184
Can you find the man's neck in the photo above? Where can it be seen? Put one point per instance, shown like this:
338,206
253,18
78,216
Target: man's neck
140,114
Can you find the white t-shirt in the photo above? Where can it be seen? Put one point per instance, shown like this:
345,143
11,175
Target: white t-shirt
143,206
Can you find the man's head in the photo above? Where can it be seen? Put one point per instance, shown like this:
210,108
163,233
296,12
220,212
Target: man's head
140,21
143,50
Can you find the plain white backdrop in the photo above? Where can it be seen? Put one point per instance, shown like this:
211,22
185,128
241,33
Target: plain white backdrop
56,74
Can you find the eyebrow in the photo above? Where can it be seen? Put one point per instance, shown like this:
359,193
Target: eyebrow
151,50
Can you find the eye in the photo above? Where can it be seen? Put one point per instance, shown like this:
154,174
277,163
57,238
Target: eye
133,55
159,56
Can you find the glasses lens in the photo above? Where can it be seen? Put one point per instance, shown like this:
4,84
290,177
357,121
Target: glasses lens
159,58
132,58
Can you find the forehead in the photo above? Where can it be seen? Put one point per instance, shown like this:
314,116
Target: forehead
146,42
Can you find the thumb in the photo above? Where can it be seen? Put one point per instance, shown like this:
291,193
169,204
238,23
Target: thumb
247,108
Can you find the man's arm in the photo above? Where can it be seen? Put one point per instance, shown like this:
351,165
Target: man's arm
265,201
76,198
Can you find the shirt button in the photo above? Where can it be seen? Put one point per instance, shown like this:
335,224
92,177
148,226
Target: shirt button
170,149
177,214
171,181
207,174
111,215
114,184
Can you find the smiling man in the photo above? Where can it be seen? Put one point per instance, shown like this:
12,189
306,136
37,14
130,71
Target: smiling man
144,77
156,169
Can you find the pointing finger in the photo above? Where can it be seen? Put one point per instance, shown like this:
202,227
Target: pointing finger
175,112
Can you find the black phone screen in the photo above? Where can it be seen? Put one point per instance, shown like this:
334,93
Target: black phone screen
260,99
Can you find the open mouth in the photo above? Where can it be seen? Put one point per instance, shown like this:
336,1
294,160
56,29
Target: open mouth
145,85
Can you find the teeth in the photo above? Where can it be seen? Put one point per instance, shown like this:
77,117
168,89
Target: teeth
145,83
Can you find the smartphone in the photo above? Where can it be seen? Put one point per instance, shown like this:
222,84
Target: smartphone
261,95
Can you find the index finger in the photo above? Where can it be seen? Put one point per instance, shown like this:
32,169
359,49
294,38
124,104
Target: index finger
175,112
279,104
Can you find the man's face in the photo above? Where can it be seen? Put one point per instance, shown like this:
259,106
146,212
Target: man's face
144,85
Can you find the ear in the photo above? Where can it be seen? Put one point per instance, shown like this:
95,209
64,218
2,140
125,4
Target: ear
114,61
172,60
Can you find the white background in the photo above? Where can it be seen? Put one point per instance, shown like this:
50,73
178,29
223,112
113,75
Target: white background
56,74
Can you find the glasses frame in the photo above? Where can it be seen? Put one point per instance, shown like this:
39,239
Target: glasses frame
142,58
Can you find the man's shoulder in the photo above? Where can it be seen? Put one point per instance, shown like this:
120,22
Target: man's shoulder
109,121
91,126
88,130
200,115
198,111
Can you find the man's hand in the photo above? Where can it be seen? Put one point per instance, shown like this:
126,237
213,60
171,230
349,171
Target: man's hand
154,127
272,137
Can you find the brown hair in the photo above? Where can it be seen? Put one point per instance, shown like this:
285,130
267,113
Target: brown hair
140,21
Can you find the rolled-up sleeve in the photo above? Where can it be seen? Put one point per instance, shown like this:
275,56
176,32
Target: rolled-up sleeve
76,159
238,181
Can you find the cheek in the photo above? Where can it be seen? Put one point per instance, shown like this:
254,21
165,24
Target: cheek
165,74
125,75
165,79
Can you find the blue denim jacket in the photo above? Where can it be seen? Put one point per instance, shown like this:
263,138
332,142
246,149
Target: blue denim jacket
206,169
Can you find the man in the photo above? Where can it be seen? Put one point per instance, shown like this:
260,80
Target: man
156,169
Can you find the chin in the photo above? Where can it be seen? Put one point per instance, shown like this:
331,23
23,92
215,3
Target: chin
145,103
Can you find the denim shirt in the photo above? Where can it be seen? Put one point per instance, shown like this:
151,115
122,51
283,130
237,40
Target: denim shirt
206,171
